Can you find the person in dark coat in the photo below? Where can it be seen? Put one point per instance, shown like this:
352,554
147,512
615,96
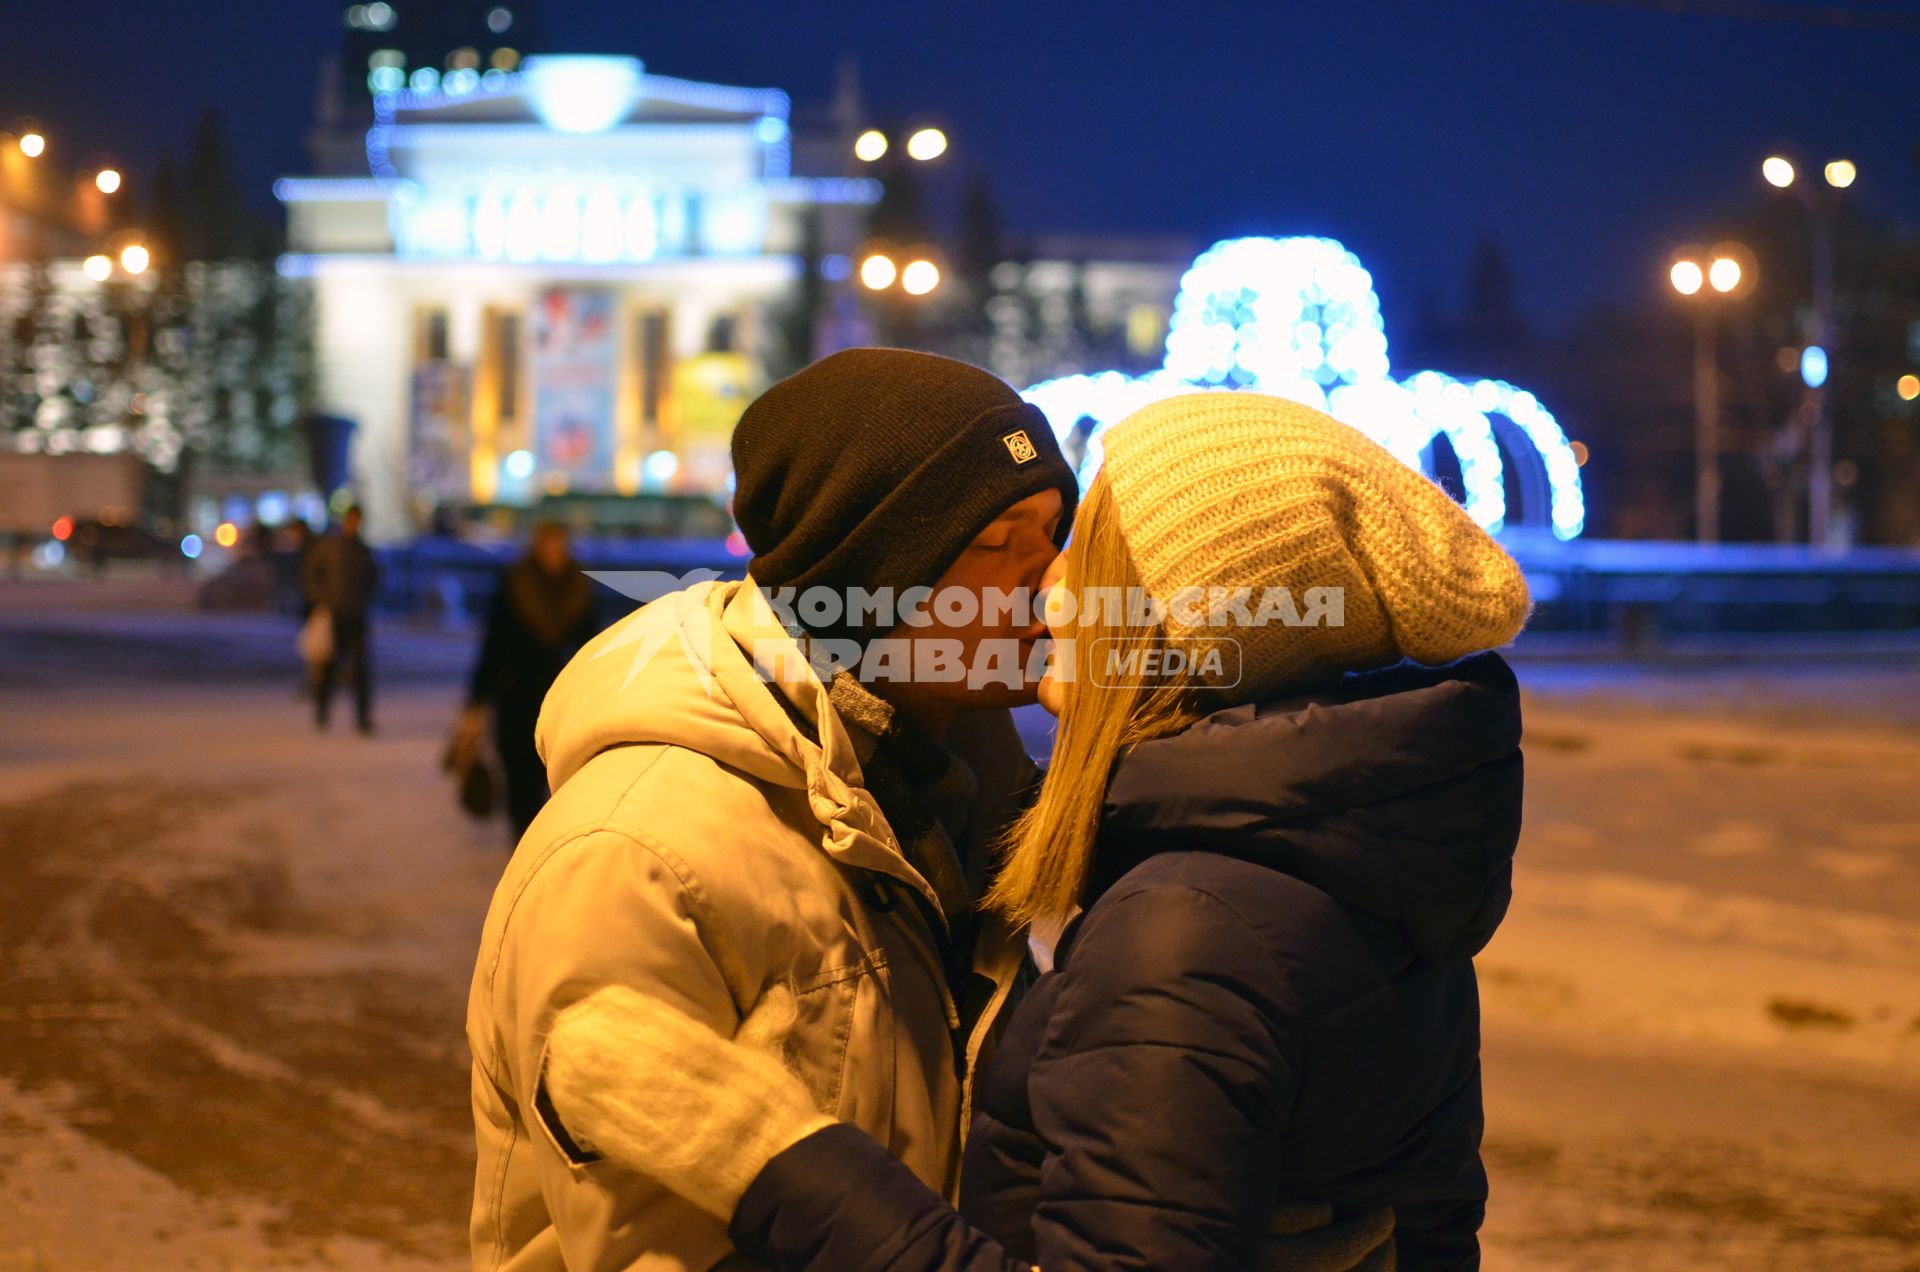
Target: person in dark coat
541,613
1259,1044
342,577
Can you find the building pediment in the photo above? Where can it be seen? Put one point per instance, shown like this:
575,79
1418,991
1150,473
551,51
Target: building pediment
580,94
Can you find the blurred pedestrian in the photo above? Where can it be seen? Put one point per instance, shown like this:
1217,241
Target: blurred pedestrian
341,579
316,635
542,612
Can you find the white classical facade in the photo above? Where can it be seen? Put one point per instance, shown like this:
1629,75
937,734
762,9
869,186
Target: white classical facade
555,279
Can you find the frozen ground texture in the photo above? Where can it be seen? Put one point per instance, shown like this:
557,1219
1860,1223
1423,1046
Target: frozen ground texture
234,954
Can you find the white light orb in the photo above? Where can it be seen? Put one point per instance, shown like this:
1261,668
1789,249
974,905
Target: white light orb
877,272
920,277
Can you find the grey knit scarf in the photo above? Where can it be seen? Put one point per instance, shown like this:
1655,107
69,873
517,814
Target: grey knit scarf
925,791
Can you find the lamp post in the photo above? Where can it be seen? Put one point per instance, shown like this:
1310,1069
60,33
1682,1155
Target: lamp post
1701,278
1821,203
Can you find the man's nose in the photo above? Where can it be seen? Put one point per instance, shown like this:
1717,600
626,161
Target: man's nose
1034,625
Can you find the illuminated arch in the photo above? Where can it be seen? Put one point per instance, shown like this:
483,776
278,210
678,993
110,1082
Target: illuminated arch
1298,318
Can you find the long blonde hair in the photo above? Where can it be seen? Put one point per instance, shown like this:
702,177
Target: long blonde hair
1048,853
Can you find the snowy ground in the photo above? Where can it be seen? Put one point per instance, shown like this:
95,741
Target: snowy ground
234,953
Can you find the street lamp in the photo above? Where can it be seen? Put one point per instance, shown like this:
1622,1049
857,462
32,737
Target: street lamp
1820,206
98,268
134,258
877,272
33,145
1727,271
920,277
107,180
928,143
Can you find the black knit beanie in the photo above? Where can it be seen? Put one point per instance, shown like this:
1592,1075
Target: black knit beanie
875,468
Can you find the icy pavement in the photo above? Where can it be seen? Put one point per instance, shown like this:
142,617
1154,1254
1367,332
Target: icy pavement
233,959
234,955
1702,1016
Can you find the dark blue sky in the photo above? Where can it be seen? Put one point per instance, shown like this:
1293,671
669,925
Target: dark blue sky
1588,138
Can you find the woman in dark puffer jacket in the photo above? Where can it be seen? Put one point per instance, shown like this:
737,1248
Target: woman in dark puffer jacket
1259,1046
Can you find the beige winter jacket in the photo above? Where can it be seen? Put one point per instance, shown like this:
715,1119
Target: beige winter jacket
698,847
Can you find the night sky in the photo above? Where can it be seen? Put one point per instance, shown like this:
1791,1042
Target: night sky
1588,138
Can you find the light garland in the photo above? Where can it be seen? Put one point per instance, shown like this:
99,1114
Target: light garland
1298,318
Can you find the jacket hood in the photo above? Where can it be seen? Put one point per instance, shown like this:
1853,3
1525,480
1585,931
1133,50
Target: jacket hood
1396,791
669,673
699,669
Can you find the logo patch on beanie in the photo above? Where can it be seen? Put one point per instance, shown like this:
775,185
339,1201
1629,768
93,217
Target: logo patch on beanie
1020,446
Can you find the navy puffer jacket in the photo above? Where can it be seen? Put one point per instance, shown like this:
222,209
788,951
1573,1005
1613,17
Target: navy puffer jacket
1270,999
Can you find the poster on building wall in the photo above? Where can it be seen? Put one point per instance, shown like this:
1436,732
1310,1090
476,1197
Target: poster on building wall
710,391
575,361
437,441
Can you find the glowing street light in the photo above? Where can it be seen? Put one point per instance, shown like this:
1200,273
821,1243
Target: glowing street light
98,268
135,258
33,145
1726,274
1908,387
1813,366
928,143
1778,171
877,272
1841,173
920,277
870,145
107,180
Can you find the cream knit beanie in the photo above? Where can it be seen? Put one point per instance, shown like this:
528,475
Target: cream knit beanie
1239,490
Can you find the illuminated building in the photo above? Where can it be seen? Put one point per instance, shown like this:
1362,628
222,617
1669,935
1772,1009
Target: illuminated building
553,278
1064,300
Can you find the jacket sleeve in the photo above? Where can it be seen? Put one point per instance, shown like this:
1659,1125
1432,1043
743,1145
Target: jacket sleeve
1159,1091
1438,1229
484,684
588,627
605,908
838,1202
316,574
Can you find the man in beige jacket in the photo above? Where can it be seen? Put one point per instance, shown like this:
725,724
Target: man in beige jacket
731,814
